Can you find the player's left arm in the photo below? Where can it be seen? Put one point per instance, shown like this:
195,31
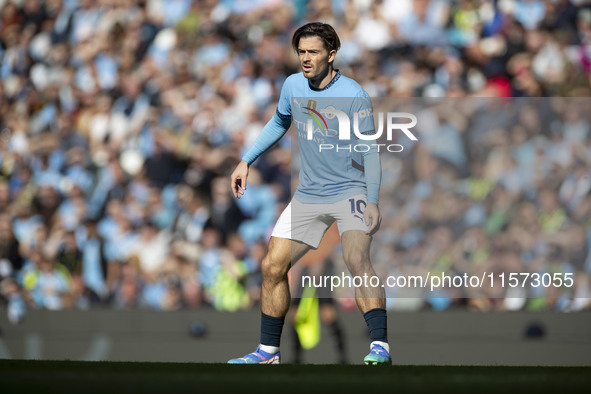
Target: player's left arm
373,177
372,167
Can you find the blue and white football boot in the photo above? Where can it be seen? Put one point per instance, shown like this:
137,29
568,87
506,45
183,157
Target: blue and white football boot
258,357
378,356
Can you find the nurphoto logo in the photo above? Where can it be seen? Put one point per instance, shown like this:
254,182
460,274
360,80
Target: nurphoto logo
317,126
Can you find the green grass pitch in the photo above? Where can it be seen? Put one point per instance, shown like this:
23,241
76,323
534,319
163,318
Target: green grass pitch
19,376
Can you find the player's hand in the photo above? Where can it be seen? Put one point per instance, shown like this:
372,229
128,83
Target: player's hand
372,218
238,179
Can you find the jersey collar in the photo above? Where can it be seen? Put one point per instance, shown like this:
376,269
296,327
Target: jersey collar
332,82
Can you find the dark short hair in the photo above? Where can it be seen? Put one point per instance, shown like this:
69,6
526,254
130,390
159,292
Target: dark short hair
317,29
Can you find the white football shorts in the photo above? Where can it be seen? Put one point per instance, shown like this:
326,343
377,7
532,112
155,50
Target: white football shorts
307,223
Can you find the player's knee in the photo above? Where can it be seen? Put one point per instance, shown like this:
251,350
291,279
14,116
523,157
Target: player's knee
358,262
272,269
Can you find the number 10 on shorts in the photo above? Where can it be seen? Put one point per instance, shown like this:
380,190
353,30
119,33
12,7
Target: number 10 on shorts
357,207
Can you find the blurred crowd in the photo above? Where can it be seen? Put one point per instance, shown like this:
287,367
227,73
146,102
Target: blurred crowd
494,187
120,121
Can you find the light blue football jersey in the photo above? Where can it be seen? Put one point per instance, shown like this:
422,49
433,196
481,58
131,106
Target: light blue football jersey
328,175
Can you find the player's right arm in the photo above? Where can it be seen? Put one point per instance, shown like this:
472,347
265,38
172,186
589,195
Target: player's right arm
238,178
271,133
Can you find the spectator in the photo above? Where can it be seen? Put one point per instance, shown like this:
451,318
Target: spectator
49,283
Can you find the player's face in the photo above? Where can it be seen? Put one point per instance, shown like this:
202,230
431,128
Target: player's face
315,59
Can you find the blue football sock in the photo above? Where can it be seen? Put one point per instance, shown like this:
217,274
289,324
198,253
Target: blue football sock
271,328
377,323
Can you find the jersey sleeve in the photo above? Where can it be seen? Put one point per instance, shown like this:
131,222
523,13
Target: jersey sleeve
275,128
284,105
271,133
362,107
373,176
371,159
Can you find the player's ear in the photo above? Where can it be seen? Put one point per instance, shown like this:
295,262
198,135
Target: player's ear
331,55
